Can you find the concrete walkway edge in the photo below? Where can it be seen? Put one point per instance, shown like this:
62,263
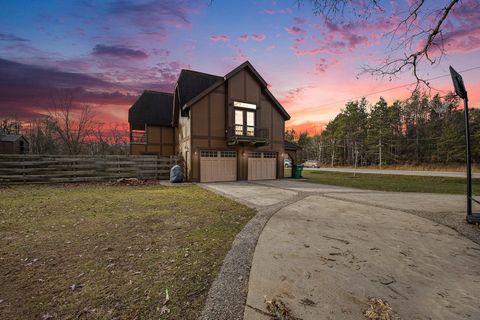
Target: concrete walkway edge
228,294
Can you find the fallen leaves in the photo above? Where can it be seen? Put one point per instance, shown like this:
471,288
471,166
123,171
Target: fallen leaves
278,310
379,309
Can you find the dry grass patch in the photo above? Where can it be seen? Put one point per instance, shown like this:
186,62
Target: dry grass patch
104,252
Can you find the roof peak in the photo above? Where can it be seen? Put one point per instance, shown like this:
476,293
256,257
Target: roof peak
200,72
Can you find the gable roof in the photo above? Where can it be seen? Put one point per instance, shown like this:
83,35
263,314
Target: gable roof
152,107
291,146
214,85
191,83
11,137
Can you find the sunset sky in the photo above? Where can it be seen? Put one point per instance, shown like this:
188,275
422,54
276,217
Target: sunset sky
109,51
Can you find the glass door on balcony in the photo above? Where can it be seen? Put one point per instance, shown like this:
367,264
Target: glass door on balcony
238,122
250,123
244,123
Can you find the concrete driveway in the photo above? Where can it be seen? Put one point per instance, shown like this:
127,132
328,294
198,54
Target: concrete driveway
328,249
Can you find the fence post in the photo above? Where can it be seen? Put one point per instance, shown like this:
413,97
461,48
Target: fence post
23,168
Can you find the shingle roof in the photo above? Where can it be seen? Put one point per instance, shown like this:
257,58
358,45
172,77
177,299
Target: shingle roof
152,107
244,65
291,145
10,137
192,83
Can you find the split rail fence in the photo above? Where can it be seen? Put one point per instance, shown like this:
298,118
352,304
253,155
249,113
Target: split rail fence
68,168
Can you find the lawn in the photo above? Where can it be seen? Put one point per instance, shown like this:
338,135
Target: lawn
385,182
112,252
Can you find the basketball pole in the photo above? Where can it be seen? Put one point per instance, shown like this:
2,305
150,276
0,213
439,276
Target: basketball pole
462,93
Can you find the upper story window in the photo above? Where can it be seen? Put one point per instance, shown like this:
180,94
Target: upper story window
244,118
138,136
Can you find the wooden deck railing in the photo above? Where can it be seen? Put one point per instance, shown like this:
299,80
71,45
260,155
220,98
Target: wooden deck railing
79,168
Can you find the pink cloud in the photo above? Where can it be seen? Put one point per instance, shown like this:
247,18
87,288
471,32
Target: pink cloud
258,37
306,52
349,34
462,40
243,37
270,47
324,64
293,95
223,38
285,11
299,20
309,52
240,55
268,11
295,30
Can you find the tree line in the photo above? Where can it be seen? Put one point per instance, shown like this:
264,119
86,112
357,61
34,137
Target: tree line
68,128
418,130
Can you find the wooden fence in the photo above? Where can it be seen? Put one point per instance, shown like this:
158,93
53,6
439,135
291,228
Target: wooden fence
68,168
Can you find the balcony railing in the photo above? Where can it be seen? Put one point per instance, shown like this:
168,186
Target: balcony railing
247,134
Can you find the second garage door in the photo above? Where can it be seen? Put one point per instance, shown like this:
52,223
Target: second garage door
262,165
218,166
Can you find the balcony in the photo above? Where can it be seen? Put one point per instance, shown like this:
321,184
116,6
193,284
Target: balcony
242,134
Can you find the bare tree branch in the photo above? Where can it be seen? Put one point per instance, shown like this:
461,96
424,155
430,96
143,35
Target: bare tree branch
415,40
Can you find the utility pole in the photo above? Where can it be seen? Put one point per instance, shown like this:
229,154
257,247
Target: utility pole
320,153
380,149
333,152
356,159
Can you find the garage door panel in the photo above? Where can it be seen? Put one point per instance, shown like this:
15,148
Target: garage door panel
262,166
218,166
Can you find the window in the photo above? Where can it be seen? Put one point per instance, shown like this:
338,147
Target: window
238,122
250,123
138,136
228,154
208,154
254,154
244,123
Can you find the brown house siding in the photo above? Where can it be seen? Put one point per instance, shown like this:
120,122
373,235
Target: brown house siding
203,116
160,140
209,115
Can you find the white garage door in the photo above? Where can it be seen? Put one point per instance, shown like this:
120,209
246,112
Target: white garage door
262,165
218,166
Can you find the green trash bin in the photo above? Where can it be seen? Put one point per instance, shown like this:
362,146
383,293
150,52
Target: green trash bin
297,171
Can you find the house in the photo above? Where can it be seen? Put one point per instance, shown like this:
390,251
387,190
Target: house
13,144
226,128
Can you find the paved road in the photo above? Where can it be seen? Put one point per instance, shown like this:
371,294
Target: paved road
331,248
399,172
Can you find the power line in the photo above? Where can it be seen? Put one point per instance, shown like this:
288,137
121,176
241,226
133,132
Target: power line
390,89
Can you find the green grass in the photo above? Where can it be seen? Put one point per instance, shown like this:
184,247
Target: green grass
385,182
110,252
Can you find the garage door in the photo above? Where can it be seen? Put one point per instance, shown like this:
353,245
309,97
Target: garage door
262,165
218,166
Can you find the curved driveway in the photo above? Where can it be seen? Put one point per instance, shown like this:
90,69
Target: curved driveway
327,253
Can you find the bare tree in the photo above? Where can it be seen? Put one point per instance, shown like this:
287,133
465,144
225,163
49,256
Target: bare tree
41,135
417,38
73,126
10,126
